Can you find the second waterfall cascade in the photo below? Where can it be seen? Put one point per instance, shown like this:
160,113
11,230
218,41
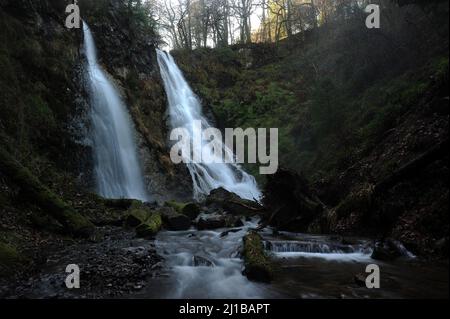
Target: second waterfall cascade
117,170
184,110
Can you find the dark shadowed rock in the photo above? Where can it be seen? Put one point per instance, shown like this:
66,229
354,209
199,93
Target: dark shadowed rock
221,199
173,220
388,249
234,230
201,261
292,205
218,220
211,222
191,210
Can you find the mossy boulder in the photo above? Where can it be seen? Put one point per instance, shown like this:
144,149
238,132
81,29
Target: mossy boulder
147,223
137,216
150,226
191,210
174,220
258,266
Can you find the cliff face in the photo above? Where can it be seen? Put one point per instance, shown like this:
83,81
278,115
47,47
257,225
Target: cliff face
44,104
41,85
127,51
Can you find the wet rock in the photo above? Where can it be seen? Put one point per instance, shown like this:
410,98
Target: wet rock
225,233
146,221
257,265
388,249
201,261
137,216
223,200
238,223
211,222
150,226
292,204
173,220
191,210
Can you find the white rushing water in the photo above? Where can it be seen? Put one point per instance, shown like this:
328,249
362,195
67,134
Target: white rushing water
206,264
117,169
184,110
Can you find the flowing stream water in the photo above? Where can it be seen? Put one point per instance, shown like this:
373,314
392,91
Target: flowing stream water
117,170
207,264
184,112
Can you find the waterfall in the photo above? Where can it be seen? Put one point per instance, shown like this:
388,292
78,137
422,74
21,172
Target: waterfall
184,110
117,170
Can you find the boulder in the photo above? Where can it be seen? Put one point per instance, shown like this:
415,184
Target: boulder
223,200
150,226
146,221
218,220
212,222
388,249
173,220
137,216
257,265
201,261
191,210
291,204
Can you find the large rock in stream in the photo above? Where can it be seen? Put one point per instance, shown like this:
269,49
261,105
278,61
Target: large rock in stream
258,266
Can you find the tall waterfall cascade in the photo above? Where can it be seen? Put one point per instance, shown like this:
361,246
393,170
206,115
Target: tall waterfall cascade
184,110
117,170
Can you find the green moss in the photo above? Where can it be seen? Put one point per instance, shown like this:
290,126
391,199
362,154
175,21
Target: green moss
257,264
136,216
189,209
40,195
150,226
146,221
